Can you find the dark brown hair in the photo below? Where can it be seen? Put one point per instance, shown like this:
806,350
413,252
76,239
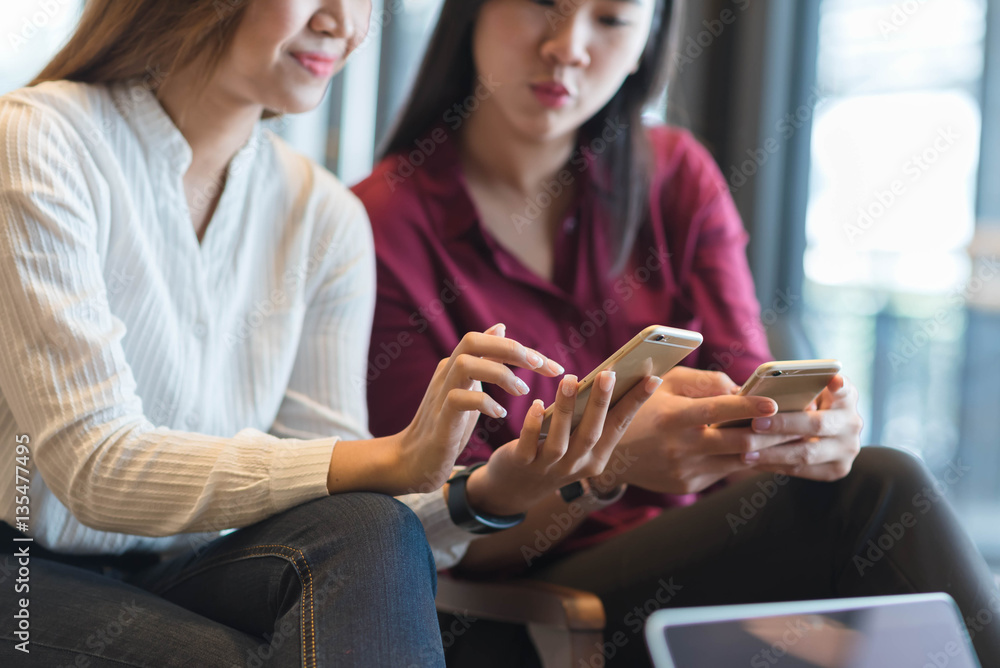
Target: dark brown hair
447,75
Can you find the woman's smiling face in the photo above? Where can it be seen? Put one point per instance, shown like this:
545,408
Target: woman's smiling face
558,63
285,52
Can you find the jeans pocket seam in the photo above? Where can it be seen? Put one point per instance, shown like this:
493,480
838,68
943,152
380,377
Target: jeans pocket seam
308,628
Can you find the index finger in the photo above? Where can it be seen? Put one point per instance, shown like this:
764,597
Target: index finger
713,410
506,351
620,416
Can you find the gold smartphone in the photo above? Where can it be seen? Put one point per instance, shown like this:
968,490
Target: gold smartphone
652,352
793,384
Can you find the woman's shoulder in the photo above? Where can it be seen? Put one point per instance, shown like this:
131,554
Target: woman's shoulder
392,183
684,174
404,201
416,183
306,184
60,96
310,217
677,154
73,107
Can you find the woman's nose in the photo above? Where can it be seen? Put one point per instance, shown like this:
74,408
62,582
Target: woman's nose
568,43
334,20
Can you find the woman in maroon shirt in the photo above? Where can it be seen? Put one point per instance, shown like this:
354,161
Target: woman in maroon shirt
520,186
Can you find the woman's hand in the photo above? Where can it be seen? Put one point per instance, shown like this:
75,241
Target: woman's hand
522,473
426,450
670,446
825,441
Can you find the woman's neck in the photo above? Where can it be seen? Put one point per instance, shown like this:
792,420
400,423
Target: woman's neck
510,181
498,154
214,123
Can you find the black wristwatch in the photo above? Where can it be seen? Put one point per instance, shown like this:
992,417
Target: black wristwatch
465,517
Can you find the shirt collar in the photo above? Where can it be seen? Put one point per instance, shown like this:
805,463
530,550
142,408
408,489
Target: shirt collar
157,132
442,182
445,192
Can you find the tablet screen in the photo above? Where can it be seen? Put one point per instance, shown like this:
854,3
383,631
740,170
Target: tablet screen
921,634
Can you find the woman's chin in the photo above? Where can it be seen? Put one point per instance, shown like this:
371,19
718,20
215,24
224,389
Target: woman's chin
545,128
295,102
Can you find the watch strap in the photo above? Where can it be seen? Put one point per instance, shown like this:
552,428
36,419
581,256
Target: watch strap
466,517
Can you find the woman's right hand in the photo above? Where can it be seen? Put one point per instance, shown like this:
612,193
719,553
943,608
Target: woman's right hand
522,473
426,450
672,444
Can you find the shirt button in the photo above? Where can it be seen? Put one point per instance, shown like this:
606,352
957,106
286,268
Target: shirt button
200,330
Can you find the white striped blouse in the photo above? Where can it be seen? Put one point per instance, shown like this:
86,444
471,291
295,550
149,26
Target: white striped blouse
171,389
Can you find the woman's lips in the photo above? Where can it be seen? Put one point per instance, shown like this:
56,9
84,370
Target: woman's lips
551,94
318,64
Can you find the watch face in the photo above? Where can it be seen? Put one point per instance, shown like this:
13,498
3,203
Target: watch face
572,491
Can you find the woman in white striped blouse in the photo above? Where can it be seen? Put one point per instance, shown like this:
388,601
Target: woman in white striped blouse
185,309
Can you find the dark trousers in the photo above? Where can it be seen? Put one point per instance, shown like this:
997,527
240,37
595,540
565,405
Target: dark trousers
346,580
884,529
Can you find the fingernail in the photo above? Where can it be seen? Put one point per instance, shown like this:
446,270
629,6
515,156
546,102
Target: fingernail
501,330
568,385
537,408
522,387
762,424
766,406
556,367
500,411
751,457
653,383
607,380
534,359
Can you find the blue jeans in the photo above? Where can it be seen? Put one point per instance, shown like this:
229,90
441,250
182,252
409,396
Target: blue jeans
346,580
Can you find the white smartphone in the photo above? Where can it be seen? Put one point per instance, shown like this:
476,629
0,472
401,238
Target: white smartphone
793,384
652,352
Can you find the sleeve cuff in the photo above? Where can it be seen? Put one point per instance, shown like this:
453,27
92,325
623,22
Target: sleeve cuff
298,470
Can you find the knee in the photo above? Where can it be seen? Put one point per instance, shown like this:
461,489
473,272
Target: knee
377,528
882,462
386,521
894,471
374,518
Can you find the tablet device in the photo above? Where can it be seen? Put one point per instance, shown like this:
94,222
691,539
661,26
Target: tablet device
915,630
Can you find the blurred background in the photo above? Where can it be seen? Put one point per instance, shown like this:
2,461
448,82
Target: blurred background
861,141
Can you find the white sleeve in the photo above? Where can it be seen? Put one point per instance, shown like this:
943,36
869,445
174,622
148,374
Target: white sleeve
64,374
448,542
325,394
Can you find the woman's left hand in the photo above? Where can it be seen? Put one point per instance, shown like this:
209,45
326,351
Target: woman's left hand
830,436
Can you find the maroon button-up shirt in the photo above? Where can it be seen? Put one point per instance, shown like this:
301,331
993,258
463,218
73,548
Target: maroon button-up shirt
441,274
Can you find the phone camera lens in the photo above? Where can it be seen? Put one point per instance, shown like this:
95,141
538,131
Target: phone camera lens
775,373
659,337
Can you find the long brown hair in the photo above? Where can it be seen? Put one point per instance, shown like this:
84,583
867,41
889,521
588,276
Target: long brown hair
125,39
447,76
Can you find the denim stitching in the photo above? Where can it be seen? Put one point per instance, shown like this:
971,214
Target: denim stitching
249,552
